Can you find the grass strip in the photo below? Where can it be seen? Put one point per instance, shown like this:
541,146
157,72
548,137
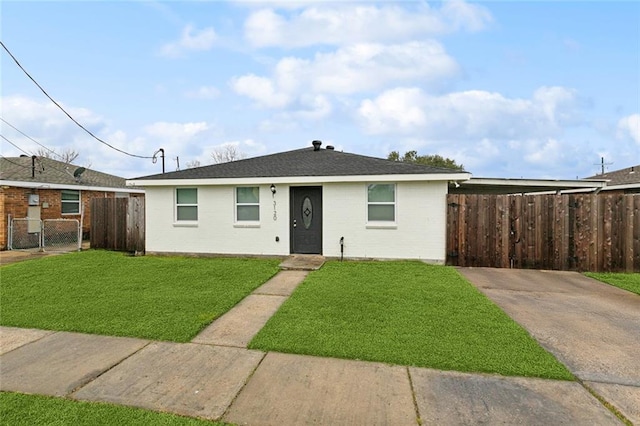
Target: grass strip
20,409
629,282
110,293
407,313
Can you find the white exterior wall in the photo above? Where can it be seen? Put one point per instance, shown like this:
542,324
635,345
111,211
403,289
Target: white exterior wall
418,232
216,230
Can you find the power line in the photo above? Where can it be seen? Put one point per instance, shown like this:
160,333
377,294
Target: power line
50,163
63,110
30,138
2,136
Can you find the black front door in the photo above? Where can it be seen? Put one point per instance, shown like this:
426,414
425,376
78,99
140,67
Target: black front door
306,219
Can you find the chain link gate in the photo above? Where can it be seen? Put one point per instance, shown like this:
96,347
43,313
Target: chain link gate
54,235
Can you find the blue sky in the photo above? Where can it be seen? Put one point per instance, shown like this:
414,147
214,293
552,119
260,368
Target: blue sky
509,89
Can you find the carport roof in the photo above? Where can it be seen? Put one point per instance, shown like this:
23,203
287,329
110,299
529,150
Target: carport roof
522,186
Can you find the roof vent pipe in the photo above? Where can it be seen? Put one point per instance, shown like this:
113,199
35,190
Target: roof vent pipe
330,147
316,145
33,166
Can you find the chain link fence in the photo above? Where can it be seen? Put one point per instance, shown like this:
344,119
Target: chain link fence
55,235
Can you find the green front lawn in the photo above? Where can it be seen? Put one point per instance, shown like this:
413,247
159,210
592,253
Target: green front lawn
406,313
102,292
629,282
20,409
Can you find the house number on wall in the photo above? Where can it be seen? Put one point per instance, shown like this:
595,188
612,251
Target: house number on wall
275,214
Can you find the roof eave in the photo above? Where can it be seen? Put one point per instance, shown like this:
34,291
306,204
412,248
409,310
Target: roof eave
294,180
45,185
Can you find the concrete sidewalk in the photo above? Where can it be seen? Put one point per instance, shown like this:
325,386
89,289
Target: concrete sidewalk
250,387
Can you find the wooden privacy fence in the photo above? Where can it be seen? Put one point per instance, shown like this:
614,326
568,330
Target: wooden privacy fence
118,224
583,232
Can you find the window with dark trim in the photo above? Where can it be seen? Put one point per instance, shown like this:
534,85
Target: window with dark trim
70,201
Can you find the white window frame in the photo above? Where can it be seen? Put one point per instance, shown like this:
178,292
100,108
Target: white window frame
393,203
69,202
238,204
176,205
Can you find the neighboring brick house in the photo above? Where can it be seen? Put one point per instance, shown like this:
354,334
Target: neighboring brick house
626,180
42,188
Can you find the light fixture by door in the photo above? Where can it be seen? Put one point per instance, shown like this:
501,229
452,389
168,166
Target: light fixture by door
273,189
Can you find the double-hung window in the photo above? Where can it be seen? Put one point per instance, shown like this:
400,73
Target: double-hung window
381,202
186,204
248,204
70,202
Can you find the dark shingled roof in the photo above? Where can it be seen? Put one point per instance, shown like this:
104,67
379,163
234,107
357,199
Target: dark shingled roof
303,162
626,176
48,171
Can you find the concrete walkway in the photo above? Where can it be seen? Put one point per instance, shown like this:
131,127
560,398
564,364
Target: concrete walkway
238,326
591,327
215,377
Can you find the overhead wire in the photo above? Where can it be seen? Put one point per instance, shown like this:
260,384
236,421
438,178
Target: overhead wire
65,112
16,146
31,139
39,159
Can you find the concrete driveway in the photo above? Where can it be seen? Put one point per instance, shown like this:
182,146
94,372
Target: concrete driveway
591,327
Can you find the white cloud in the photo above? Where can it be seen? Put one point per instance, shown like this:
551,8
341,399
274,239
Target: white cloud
470,114
459,15
203,92
551,151
348,70
178,132
629,127
261,90
364,67
558,103
190,40
314,107
309,108
45,123
485,130
342,24
397,110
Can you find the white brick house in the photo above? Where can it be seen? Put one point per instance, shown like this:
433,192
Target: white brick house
302,201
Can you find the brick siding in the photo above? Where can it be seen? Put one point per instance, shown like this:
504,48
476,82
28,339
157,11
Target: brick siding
15,202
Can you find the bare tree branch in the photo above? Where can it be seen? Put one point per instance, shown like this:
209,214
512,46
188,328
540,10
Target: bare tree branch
68,154
192,164
226,153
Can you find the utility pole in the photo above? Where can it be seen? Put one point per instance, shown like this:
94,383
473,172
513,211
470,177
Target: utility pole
155,158
602,164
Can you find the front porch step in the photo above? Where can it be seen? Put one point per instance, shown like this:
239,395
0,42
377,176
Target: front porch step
303,262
